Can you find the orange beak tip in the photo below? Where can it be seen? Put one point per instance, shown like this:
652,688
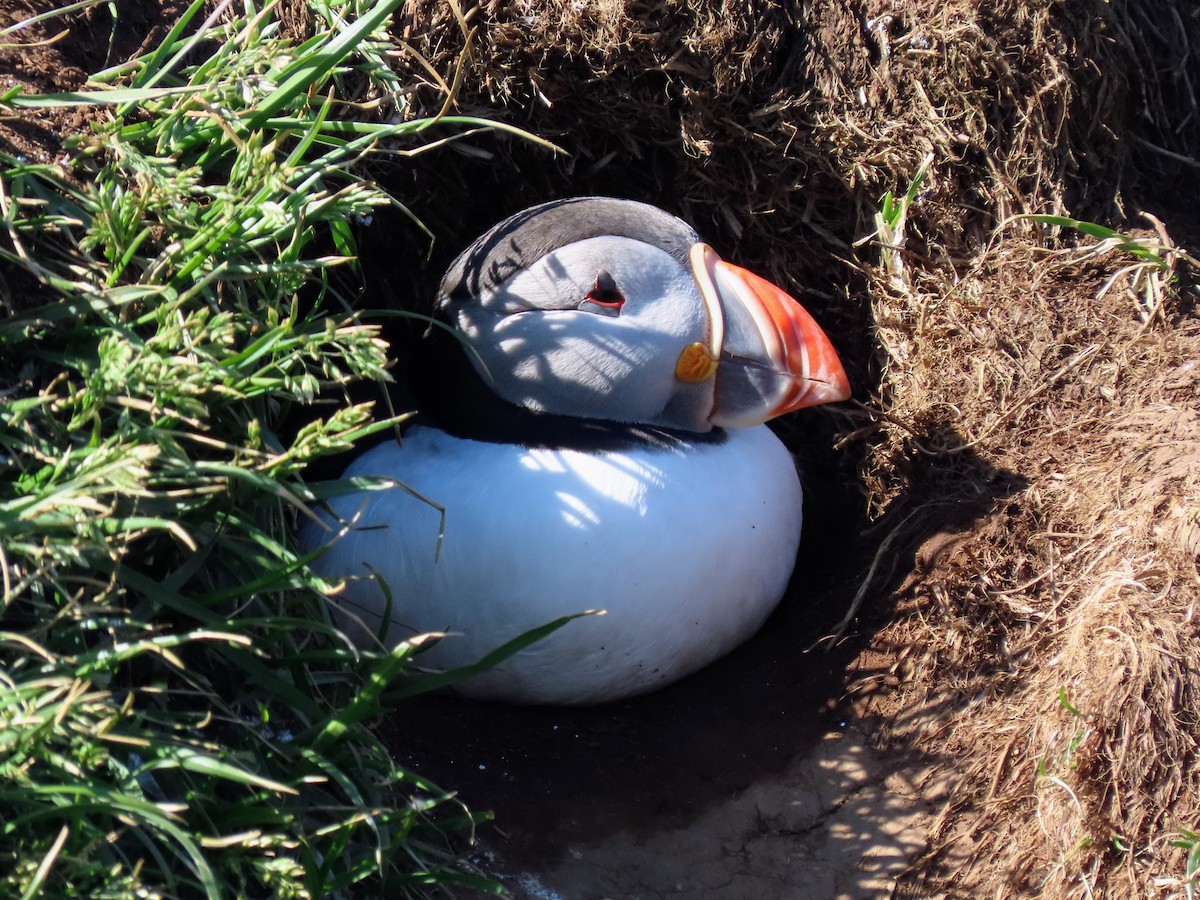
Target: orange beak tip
791,343
829,383
839,389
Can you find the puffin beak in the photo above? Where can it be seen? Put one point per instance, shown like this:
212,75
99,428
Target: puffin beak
772,357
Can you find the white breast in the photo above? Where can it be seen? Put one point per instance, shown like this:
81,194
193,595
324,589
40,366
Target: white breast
687,549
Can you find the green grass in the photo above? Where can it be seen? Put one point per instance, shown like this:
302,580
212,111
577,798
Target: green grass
1190,842
1148,250
178,715
891,223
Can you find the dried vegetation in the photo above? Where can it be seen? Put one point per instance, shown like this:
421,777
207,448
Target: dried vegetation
1047,383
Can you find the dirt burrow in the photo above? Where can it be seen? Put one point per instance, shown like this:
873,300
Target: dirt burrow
839,822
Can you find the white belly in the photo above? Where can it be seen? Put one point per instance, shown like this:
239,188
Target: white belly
686,549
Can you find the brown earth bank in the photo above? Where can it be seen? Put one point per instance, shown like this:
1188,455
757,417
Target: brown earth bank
982,681
1010,509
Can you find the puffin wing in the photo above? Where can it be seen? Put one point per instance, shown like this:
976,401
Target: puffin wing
686,547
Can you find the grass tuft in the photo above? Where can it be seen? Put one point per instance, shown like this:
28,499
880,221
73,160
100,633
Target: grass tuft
178,715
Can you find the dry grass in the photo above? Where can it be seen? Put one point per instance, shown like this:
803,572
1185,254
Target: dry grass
766,108
1056,640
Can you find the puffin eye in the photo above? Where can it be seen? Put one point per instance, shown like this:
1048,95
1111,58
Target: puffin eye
604,299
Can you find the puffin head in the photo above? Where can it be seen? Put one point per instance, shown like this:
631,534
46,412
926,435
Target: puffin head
614,310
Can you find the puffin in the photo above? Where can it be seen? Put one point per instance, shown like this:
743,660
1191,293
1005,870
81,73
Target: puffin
589,443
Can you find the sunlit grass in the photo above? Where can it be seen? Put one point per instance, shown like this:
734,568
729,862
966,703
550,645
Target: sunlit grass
178,717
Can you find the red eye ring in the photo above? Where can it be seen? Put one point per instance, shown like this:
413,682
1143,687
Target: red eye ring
604,295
